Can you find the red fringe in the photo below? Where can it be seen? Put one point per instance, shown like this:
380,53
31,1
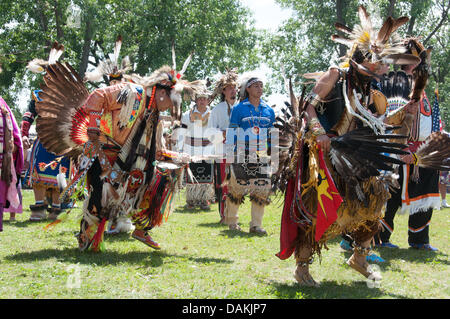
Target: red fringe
158,213
80,123
156,218
152,104
166,190
52,224
98,237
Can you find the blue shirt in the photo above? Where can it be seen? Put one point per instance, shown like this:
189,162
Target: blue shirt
255,124
244,115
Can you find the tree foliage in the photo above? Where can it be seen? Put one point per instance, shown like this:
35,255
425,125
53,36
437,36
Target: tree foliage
220,34
302,44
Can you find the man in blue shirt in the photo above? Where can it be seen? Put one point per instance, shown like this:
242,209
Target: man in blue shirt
248,142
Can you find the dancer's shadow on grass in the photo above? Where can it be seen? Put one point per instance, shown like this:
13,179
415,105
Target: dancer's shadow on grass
390,255
330,289
238,233
27,223
412,256
212,225
149,258
118,237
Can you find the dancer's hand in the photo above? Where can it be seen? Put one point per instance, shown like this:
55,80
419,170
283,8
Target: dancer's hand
159,156
408,159
325,142
93,136
184,158
25,142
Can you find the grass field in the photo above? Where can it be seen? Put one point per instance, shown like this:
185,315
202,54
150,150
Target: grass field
202,259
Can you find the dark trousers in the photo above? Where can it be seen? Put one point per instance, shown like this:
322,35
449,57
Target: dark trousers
218,180
418,228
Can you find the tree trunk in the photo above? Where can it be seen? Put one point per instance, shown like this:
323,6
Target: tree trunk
391,8
43,21
340,19
88,35
444,17
412,21
58,21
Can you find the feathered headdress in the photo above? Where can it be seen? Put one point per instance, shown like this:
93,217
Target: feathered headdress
111,67
173,80
223,80
422,71
40,66
367,44
203,92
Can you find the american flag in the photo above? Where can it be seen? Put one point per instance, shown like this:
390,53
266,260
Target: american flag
436,115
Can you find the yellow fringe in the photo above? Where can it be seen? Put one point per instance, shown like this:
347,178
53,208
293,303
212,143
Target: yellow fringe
351,214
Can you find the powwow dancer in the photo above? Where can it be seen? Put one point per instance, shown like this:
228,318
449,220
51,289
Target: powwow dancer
113,70
428,149
226,88
248,139
11,163
195,142
117,133
47,173
333,182
347,241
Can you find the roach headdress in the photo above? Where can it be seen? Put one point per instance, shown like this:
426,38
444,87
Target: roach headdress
369,45
173,80
224,80
40,65
111,67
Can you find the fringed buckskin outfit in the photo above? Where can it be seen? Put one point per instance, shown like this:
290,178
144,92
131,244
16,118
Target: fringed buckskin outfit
362,205
117,136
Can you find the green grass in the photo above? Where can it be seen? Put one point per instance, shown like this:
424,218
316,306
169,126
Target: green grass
202,259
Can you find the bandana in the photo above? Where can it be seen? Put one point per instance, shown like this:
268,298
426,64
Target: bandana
252,81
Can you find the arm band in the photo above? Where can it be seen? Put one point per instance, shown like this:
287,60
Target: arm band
313,99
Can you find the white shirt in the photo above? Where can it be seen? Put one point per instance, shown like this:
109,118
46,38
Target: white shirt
195,130
219,117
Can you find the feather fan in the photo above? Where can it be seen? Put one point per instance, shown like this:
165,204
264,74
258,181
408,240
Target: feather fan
61,124
435,152
360,155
